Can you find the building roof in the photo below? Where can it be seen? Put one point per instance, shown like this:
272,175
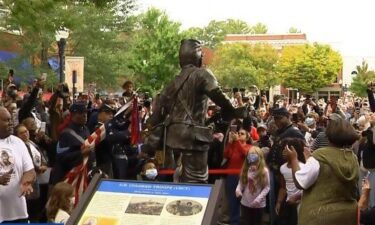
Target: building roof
264,37
278,41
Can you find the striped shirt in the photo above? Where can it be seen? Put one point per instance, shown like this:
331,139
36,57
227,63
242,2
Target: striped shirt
320,141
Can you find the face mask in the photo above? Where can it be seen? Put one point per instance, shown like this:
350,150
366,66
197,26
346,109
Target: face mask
252,157
151,174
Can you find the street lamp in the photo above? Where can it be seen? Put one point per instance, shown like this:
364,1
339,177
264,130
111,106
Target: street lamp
61,37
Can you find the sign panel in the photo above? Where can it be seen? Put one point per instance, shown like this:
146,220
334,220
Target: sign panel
117,202
74,64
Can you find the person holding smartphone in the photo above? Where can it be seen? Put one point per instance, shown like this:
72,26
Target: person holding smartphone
325,199
235,152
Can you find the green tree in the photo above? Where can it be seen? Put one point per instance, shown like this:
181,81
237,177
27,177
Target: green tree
242,65
214,33
294,30
360,81
93,26
3,70
309,67
103,42
154,49
259,28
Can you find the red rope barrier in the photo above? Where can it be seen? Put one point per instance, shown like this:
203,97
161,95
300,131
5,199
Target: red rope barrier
211,172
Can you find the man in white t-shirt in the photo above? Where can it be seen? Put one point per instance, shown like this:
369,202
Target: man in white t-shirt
16,173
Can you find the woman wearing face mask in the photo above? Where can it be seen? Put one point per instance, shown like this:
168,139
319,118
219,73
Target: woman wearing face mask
253,187
60,203
235,152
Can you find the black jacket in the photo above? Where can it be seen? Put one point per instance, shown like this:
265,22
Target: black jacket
368,156
274,158
69,152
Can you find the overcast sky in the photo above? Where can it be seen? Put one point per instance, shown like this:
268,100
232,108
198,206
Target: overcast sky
348,25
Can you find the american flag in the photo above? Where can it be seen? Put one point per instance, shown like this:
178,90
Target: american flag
77,176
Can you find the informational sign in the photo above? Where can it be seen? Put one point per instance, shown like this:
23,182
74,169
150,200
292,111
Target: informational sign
74,64
144,203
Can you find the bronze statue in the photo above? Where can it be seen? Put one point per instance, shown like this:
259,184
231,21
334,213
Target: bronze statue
178,120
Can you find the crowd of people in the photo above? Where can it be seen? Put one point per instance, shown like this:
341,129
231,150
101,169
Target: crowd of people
318,157
302,161
42,141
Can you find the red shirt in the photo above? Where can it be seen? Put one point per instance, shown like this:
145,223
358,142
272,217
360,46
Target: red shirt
236,153
254,134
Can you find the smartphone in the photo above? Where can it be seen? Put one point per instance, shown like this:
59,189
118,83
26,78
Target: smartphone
43,127
233,128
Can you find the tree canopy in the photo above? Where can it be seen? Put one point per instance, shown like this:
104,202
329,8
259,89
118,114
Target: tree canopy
242,65
214,33
309,67
361,79
293,30
94,27
154,49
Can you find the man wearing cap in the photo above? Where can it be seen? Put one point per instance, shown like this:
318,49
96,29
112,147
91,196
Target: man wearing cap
285,129
102,151
69,148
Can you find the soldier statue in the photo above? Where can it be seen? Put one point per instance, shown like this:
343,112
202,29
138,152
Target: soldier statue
178,119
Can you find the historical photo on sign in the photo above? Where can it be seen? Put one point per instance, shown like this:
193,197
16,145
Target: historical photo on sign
145,206
184,207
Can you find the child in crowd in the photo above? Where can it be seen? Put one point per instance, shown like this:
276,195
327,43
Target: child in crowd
289,195
149,171
235,153
60,203
253,187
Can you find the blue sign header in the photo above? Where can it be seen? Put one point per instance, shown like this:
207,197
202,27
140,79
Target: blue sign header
199,191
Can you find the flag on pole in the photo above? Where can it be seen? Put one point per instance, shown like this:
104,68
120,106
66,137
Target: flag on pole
77,176
135,130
